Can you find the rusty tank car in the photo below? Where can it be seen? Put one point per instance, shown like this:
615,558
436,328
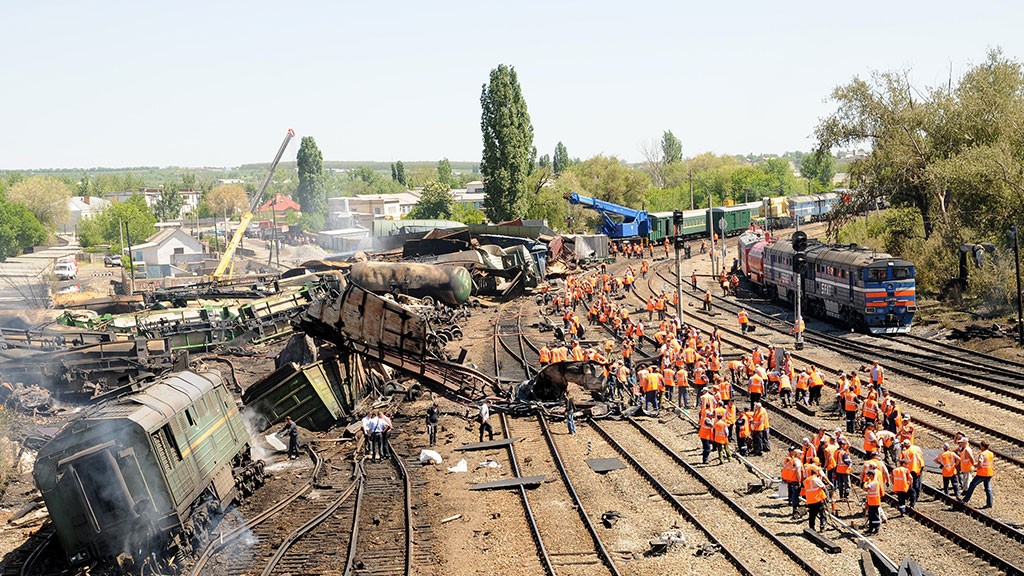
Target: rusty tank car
449,284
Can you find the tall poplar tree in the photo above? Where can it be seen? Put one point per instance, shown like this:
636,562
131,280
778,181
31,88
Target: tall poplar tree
312,190
508,142
561,160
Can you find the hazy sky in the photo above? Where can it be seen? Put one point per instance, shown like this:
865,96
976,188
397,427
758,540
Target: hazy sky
218,83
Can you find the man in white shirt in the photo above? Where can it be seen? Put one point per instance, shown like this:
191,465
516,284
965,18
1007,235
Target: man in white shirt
368,434
485,421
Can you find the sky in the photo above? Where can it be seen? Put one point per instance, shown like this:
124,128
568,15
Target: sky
182,83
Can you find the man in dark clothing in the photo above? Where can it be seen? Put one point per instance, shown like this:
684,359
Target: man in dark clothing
292,429
433,415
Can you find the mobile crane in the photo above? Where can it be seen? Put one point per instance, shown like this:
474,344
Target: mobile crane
229,252
634,222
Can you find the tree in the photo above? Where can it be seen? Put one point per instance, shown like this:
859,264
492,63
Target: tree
671,148
819,166
462,212
561,161
168,207
46,197
312,191
435,202
444,173
19,229
84,186
507,143
105,228
400,173
226,199
544,161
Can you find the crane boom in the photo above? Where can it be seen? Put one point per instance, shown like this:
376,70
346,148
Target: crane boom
634,222
243,223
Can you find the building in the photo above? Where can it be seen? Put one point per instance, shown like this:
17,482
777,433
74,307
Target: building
82,208
167,253
220,181
469,199
475,187
191,197
280,204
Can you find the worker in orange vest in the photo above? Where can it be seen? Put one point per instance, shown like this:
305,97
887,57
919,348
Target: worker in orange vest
986,469
545,355
755,385
721,436
949,462
706,433
785,388
815,493
707,301
873,488
651,391
912,458
759,425
792,475
744,320
901,482
850,400
844,464
963,450
743,433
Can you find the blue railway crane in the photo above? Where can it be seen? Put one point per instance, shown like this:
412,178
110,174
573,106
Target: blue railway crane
633,222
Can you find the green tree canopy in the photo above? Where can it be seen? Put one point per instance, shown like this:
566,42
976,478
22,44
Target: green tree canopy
104,228
168,207
226,199
671,148
560,162
398,172
444,174
819,166
19,229
46,197
507,145
435,202
312,191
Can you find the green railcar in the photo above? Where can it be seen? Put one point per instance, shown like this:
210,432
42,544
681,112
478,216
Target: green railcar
145,470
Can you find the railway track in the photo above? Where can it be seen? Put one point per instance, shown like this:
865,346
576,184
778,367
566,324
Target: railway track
963,528
720,519
382,533
1006,446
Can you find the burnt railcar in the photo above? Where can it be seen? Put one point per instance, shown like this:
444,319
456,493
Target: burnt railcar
146,472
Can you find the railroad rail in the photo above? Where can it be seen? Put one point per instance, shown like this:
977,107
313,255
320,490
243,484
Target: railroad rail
985,520
538,539
667,495
1017,443
384,489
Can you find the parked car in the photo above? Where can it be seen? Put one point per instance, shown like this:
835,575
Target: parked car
66,270
111,260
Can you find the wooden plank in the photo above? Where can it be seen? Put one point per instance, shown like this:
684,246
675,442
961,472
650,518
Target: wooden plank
867,564
509,483
821,541
486,445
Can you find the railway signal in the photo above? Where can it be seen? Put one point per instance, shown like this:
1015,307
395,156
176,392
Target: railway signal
799,266
677,221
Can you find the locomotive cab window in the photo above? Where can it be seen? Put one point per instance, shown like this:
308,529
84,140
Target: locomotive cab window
901,273
878,274
188,416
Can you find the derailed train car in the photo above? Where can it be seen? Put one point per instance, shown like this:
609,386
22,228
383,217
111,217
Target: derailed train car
146,472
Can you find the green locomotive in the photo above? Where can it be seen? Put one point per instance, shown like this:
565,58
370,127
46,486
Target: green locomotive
147,472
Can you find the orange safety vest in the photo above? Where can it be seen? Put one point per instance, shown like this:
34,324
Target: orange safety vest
791,469
721,427
901,479
986,464
874,493
948,461
756,384
907,433
681,379
742,317
808,454
870,441
669,375
707,429
843,461
801,381
730,415
545,355
831,451
965,459
577,354
870,409
814,490
760,420
744,425
913,459
850,401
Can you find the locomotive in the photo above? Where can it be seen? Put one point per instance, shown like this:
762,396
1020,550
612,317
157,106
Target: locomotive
862,288
147,472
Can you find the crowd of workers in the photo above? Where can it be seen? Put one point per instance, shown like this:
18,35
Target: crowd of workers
687,367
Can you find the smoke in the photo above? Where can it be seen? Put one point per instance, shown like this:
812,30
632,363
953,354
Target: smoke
255,424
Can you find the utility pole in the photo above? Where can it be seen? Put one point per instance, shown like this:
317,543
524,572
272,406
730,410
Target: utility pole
677,220
131,259
691,188
799,263
711,236
1016,261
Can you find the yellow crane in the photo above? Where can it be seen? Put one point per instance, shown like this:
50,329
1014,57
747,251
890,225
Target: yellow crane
229,252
